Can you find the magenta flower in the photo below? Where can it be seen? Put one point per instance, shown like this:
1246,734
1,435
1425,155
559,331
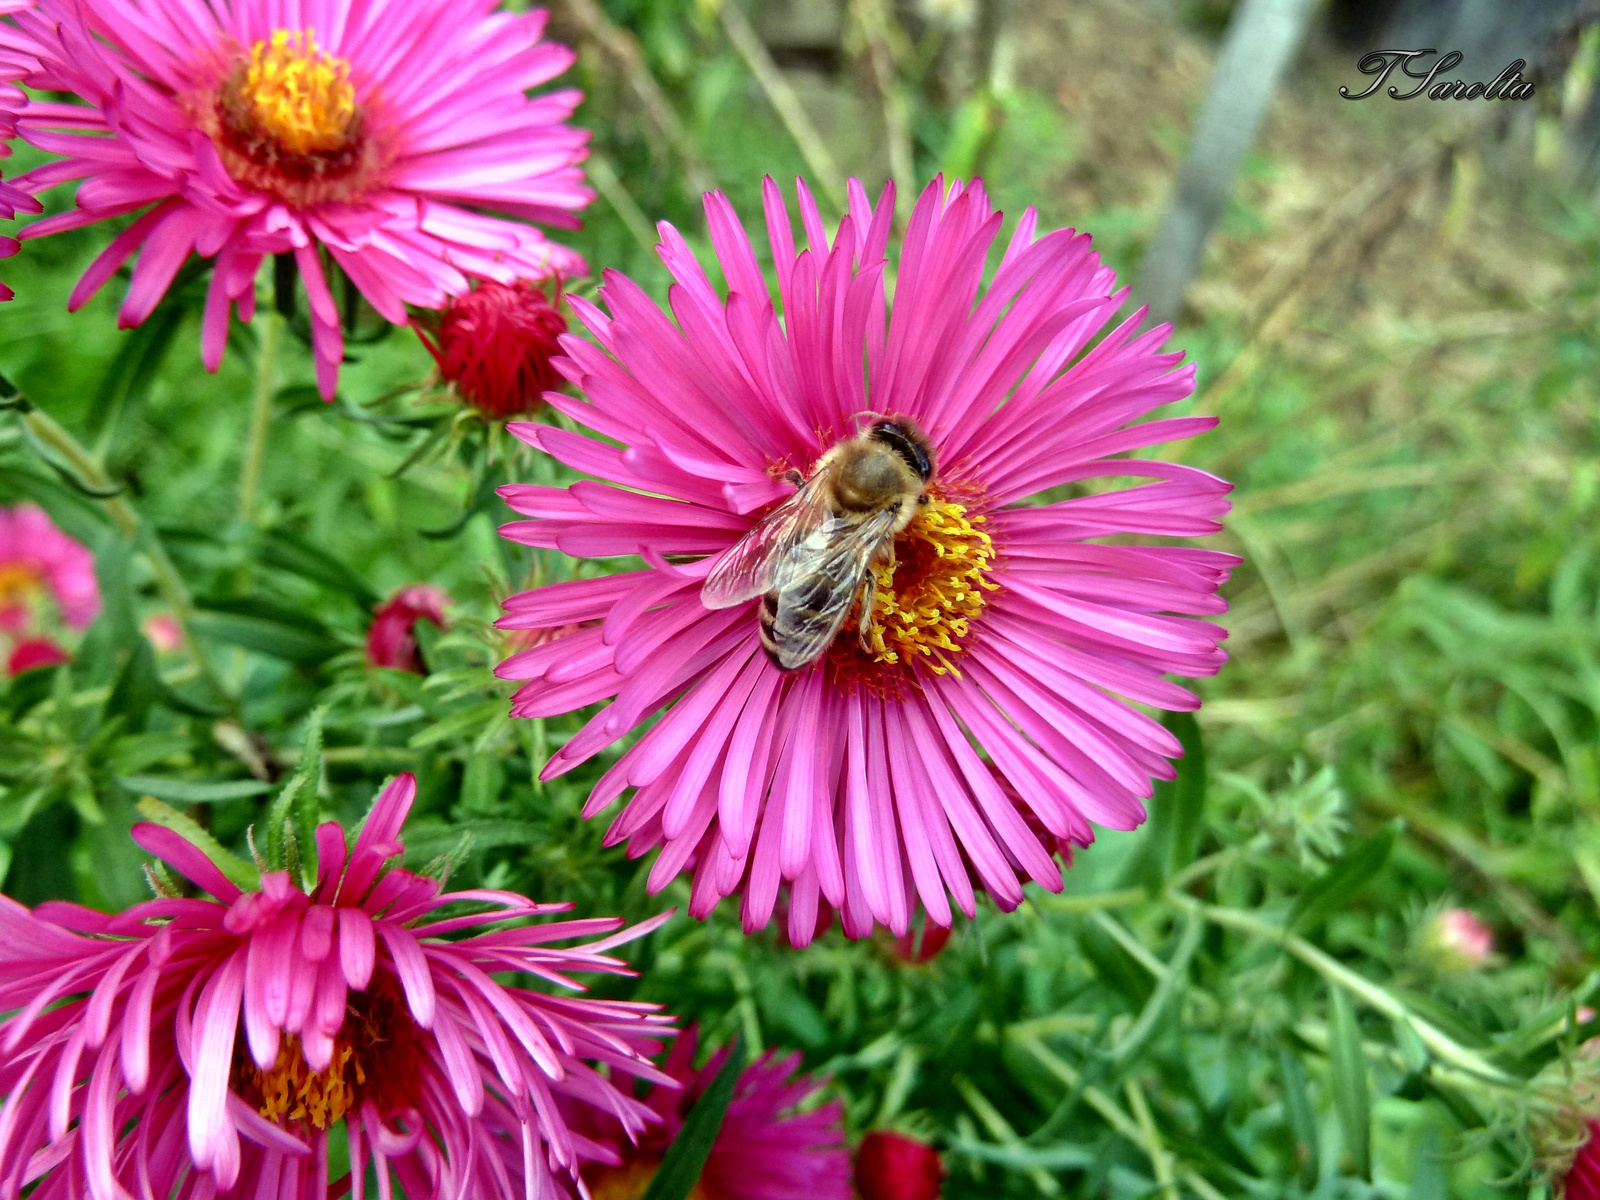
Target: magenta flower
392,636
376,131
126,1073
1006,624
762,1151
37,558
13,201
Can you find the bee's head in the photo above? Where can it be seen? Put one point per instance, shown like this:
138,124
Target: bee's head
908,443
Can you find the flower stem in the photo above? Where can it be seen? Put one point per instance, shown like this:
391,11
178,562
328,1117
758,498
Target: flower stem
1443,1046
271,334
173,590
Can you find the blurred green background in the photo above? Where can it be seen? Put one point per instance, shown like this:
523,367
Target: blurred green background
1395,319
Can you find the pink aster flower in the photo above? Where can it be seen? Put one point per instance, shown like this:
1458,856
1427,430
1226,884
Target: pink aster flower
377,132
1007,627
392,637
191,1048
762,1151
37,558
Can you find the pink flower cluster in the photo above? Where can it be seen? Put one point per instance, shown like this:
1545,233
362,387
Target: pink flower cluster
38,561
197,1047
378,133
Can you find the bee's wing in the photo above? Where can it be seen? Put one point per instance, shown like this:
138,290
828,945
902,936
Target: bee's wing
758,559
825,585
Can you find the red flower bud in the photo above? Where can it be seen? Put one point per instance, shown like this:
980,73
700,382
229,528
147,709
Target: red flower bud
32,653
495,343
891,1166
1583,1178
392,641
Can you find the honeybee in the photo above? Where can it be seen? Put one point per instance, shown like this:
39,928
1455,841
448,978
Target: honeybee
811,558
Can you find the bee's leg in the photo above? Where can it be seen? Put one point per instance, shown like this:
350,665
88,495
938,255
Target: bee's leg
794,477
869,593
884,560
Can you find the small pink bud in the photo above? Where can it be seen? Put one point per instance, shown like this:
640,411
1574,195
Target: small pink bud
1463,937
164,632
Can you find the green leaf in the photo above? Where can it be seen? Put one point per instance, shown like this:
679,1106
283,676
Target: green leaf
27,690
137,687
1302,1117
1343,881
1172,834
289,552
467,720
1184,798
1352,1098
230,864
686,1157
1115,965
1020,1158
137,362
193,791
276,639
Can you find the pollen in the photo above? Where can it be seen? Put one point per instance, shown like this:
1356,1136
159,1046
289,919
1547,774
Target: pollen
286,121
298,95
927,598
291,1091
378,1056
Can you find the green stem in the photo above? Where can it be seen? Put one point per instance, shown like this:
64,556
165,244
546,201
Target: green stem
271,334
168,581
1331,969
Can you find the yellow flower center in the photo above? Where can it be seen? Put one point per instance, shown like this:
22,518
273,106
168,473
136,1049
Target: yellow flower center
926,600
18,583
299,96
378,1056
291,1091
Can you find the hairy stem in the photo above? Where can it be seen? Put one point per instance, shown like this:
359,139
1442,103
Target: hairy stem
173,590
271,333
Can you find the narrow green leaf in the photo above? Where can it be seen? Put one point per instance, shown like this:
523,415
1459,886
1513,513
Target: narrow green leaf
1302,1117
1187,793
1352,1098
266,636
137,687
1019,1158
1343,881
193,791
466,721
289,552
686,1157
230,864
